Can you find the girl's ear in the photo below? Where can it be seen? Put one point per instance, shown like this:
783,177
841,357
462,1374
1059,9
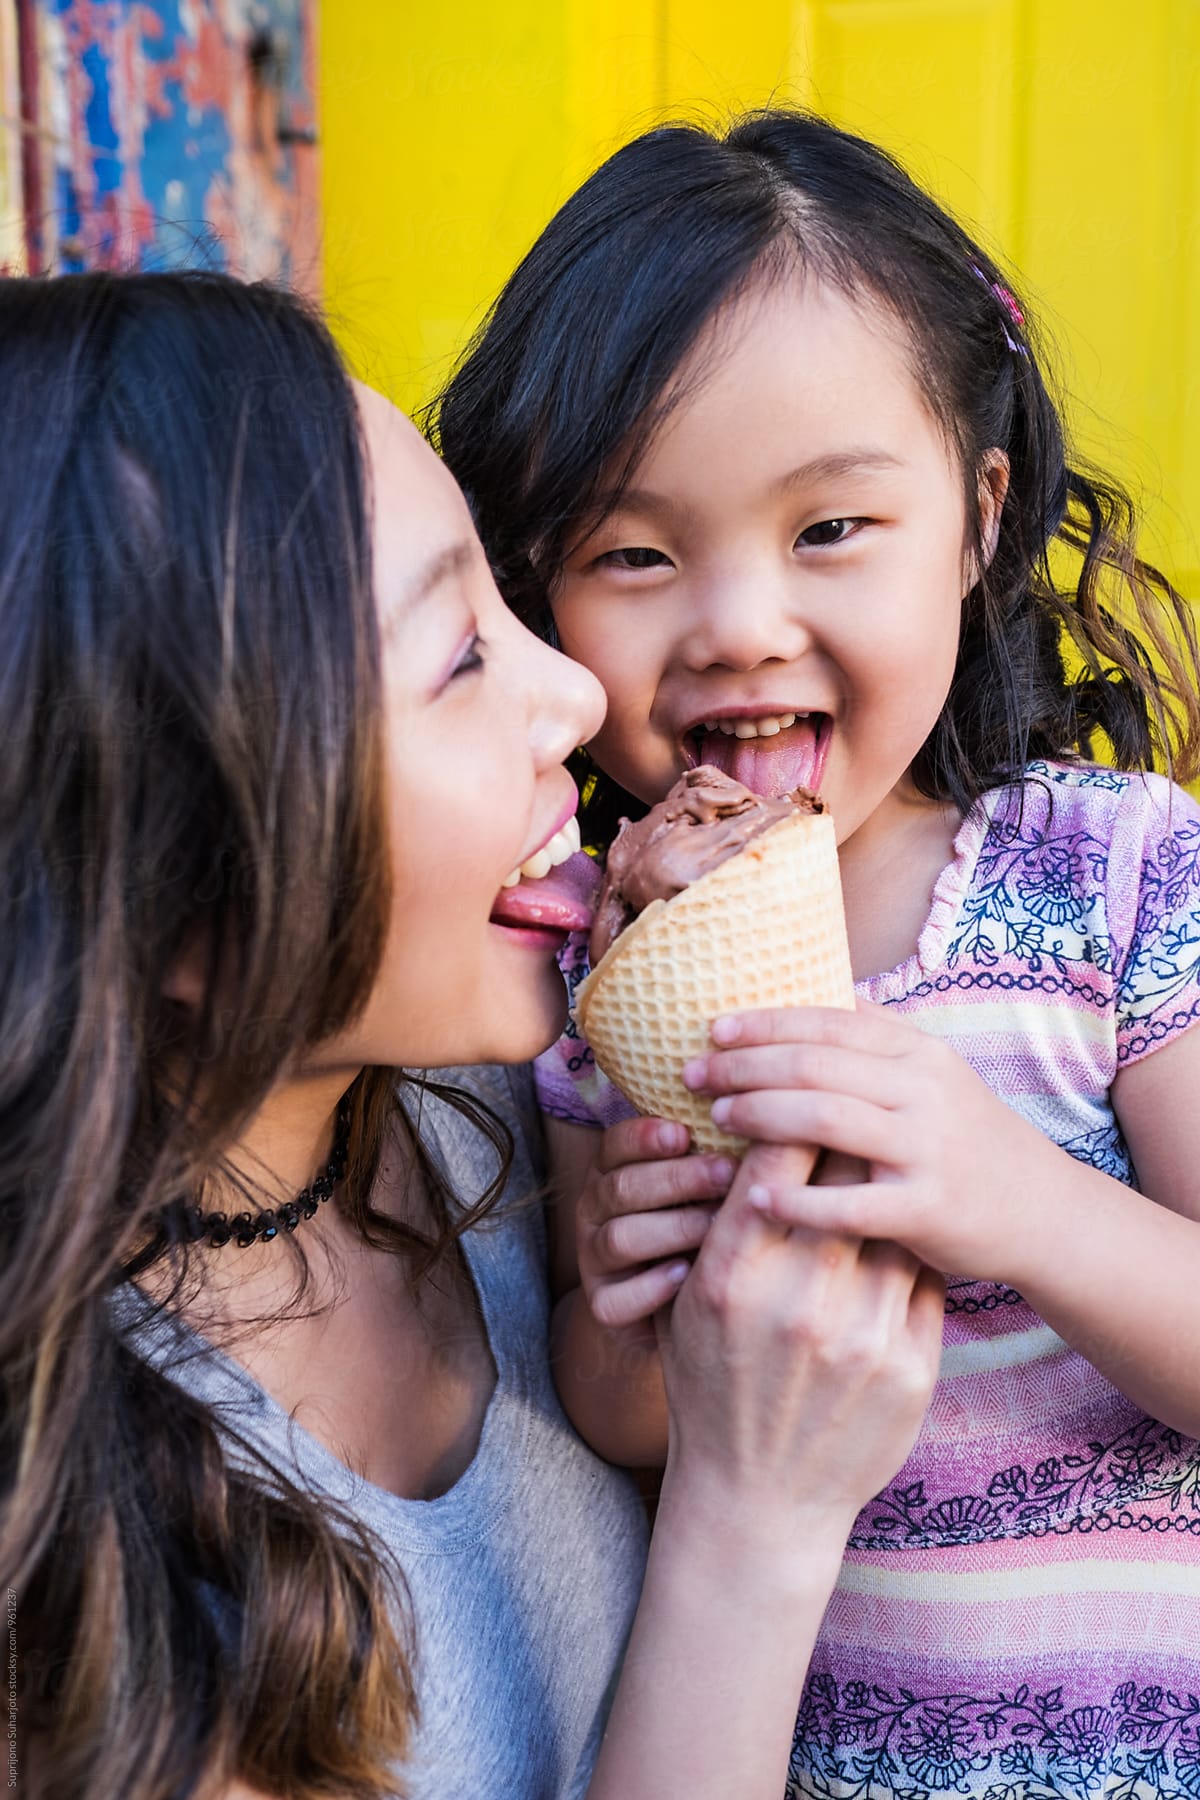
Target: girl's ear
993,486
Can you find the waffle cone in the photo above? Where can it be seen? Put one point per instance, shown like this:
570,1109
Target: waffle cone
766,928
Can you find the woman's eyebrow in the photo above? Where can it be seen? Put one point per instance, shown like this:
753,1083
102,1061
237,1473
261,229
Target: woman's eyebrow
444,563
860,460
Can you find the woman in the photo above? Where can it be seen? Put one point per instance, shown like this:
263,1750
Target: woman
289,1503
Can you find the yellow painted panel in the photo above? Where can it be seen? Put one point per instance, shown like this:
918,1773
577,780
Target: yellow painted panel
12,244
1108,241
720,59
1177,265
615,78
933,81
445,140
1077,153
450,137
1069,139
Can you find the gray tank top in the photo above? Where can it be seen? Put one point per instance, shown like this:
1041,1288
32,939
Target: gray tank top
524,1577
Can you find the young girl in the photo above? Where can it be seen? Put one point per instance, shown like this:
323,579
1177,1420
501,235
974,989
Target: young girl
302,1511
760,435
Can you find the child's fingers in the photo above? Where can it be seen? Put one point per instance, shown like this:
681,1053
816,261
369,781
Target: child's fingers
832,1121
626,1300
853,1210
885,1081
635,1238
641,1140
867,1211
648,1187
870,1029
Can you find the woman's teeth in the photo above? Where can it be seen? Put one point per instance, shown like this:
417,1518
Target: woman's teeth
565,842
751,728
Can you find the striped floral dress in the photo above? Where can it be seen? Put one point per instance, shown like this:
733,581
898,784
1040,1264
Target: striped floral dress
1018,1614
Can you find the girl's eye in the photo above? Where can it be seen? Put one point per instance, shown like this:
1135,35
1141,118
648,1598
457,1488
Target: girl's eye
828,531
471,659
634,556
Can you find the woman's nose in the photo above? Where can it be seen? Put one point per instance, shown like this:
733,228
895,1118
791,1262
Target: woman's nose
567,705
740,623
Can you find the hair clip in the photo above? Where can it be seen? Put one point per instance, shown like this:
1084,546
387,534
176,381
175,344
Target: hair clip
1008,301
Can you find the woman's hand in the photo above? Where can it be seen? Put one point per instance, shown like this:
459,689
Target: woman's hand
798,1365
953,1171
643,1210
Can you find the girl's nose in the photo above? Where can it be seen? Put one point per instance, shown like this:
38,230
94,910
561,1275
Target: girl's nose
566,705
741,623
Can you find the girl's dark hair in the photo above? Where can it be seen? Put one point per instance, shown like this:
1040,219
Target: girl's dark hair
573,371
190,720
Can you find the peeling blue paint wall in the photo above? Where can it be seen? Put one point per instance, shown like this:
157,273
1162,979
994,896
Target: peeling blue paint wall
172,134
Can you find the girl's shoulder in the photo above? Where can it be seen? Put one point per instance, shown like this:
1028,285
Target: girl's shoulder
1060,794
1094,872
1114,827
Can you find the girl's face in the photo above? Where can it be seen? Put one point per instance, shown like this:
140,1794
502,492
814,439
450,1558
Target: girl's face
778,591
479,715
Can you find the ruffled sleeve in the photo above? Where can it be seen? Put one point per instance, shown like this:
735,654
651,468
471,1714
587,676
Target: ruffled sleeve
1154,916
569,1085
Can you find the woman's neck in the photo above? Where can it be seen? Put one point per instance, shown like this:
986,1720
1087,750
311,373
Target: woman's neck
394,1379
280,1151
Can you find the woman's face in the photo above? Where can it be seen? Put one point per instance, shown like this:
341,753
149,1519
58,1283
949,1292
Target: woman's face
478,717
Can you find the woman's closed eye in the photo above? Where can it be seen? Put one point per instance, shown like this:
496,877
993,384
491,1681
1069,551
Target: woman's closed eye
830,531
472,659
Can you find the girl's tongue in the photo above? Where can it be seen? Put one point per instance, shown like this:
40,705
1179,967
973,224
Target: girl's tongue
794,757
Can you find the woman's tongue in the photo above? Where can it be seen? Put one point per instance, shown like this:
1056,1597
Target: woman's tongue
563,900
772,766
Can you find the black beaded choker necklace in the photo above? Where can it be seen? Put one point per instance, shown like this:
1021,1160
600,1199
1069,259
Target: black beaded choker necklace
246,1228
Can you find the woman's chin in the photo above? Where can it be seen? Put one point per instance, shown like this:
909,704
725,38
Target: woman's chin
534,1021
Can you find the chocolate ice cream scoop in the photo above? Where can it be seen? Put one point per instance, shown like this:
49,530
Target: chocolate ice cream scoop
706,818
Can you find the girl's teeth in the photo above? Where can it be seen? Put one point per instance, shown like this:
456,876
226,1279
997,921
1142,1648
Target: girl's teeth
751,728
563,844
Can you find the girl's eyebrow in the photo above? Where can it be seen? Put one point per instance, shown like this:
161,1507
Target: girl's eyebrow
858,460
642,500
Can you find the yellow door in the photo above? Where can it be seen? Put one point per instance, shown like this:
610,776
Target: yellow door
1068,140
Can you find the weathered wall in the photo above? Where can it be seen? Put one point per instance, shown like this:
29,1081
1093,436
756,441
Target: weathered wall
171,132
12,235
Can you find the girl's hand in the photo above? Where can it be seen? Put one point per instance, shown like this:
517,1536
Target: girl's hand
643,1210
953,1171
798,1367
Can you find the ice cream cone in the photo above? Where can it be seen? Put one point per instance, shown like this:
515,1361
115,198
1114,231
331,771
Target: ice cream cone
766,928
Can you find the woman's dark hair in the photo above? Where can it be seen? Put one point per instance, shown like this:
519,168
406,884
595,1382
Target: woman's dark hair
192,764
573,371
